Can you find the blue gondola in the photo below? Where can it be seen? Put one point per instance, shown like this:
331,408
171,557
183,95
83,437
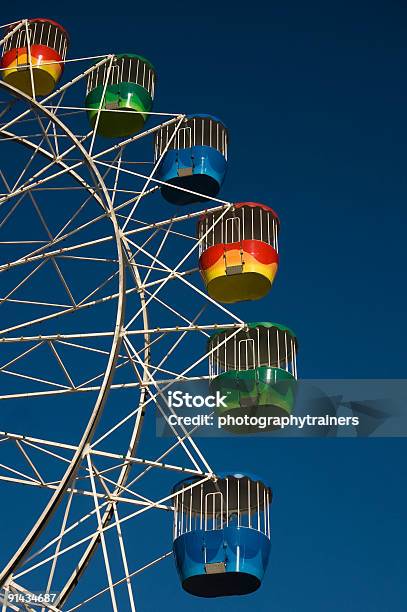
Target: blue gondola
195,159
222,534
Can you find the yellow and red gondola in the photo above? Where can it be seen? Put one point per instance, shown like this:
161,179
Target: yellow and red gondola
34,56
239,251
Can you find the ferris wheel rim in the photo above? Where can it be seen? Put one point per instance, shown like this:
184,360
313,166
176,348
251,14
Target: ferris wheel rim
73,580
76,575
97,410
121,481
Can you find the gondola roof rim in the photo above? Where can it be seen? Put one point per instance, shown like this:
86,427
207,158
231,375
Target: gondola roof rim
206,116
223,475
129,55
255,325
251,205
43,20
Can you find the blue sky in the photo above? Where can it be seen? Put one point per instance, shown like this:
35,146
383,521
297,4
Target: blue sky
314,95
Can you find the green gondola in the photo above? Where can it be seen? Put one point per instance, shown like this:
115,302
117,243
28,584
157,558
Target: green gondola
124,93
255,369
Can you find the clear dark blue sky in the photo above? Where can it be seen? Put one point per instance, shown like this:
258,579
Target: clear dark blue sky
315,97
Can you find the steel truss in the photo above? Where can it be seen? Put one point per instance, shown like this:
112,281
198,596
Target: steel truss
89,490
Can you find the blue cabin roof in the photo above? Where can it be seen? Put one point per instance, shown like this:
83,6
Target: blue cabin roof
222,475
205,116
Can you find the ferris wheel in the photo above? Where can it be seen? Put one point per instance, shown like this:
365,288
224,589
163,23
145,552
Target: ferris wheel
109,296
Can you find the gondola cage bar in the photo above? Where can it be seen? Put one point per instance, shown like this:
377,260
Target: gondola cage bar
195,131
239,223
124,70
40,32
215,509
257,347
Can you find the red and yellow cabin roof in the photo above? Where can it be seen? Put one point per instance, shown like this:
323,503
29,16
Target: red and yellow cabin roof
239,259
46,20
258,206
48,44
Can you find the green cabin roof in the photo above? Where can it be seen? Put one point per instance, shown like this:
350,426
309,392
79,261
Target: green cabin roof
132,56
135,56
257,324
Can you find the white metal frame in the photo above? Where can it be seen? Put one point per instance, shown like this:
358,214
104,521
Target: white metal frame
105,478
